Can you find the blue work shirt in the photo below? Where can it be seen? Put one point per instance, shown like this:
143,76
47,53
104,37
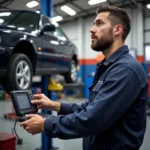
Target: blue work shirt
114,118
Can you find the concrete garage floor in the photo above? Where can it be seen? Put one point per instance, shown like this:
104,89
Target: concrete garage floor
31,142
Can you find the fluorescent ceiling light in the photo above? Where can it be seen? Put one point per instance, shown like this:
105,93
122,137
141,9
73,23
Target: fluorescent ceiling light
68,10
93,2
32,4
148,6
57,18
5,13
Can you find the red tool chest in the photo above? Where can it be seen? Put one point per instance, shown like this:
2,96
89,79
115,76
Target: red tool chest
7,141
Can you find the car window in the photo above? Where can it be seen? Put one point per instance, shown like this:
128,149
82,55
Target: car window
59,33
19,19
45,20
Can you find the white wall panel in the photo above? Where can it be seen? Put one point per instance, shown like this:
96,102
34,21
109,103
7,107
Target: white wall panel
147,23
72,31
147,37
136,35
80,35
88,23
147,30
140,32
129,41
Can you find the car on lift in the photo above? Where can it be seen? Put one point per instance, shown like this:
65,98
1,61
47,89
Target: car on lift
30,44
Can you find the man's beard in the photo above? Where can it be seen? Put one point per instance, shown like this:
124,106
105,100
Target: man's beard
104,42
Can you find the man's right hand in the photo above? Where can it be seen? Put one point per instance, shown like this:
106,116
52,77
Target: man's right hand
44,102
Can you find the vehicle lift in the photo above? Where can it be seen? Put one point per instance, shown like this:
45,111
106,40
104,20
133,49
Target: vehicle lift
46,8
49,87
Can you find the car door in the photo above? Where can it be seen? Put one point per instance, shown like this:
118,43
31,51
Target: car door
66,47
51,54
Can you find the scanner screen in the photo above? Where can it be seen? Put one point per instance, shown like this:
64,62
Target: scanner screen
23,100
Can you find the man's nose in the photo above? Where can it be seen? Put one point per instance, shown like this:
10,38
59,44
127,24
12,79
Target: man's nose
93,30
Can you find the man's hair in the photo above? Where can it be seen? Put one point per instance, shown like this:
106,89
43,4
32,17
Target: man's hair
117,16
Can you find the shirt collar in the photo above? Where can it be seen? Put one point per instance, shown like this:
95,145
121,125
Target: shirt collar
114,56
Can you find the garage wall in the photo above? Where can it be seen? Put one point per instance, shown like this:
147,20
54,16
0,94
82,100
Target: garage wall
135,39
147,35
147,31
147,26
79,32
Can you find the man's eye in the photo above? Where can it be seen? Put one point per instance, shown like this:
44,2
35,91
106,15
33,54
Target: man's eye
99,23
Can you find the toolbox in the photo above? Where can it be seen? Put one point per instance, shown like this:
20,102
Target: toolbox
7,141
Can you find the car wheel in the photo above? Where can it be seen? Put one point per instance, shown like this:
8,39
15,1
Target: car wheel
19,73
71,76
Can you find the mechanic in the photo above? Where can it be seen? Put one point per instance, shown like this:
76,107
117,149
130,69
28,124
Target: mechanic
114,118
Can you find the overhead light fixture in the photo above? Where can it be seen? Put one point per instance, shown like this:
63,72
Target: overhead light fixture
68,10
57,18
93,2
5,14
148,6
32,4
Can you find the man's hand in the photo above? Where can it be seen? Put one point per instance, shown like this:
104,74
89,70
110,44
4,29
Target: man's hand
34,125
44,102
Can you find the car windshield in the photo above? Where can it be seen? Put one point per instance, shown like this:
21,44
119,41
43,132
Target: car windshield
19,19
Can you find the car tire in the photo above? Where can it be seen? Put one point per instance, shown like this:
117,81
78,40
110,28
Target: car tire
71,76
19,73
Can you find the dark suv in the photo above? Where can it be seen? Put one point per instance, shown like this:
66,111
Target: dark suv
31,45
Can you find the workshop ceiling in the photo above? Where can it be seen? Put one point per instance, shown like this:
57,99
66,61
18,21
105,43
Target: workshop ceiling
82,8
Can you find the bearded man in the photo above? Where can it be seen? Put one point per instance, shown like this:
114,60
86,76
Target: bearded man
114,118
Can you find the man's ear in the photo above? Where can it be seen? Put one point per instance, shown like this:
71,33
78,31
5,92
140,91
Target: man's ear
118,29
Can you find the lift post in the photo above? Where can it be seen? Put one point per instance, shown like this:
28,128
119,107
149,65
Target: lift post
46,142
46,8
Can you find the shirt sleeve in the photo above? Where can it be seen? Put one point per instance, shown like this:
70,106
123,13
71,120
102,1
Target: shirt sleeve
68,108
113,99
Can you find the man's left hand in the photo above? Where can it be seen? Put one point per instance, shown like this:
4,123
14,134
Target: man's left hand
34,124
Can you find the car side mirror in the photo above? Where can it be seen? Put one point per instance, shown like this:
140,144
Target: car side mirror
48,28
